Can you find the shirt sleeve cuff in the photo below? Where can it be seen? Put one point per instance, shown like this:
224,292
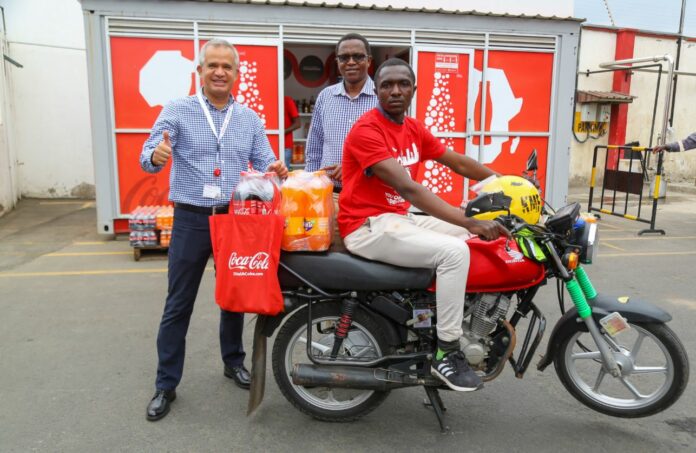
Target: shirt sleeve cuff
146,162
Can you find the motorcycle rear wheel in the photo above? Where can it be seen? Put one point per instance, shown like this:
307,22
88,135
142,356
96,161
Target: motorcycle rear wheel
654,370
365,340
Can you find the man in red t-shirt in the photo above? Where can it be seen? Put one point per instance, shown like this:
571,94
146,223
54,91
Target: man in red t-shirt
380,160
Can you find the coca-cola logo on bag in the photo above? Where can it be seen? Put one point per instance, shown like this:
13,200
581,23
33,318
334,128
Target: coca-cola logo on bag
259,261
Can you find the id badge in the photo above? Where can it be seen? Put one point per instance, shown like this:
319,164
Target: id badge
211,191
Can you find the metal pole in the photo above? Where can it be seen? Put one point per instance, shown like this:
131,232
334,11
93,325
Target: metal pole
593,178
619,64
680,38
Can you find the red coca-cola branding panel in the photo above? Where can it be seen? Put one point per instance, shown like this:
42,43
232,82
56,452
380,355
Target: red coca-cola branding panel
147,73
517,100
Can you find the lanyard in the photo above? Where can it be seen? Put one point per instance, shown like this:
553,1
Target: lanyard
212,125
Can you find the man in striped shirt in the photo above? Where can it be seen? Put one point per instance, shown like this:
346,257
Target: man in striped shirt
683,145
210,139
339,106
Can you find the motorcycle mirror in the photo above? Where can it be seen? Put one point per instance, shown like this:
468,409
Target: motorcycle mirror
532,161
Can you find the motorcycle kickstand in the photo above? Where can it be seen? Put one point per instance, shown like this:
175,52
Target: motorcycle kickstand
438,406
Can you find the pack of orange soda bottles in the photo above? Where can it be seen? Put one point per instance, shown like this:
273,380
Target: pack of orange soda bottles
307,205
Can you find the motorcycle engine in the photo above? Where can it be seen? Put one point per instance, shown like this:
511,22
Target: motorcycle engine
486,310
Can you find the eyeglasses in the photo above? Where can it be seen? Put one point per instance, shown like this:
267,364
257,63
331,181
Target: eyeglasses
357,57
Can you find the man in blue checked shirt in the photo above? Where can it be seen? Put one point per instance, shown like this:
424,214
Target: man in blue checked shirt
210,139
339,106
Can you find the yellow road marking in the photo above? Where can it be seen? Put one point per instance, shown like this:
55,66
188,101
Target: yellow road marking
87,253
612,255
95,272
613,227
92,242
642,238
613,246
62,202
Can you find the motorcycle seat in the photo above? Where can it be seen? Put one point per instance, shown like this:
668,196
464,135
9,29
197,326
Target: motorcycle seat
343,271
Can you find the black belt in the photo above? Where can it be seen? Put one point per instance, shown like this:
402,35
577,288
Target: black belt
210,210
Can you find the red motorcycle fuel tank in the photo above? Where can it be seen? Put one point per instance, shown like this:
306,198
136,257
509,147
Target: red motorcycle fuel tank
499,266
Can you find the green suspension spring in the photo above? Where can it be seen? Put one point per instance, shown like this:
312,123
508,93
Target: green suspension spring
585,283
579,299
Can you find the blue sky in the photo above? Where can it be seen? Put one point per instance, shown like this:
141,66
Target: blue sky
650,15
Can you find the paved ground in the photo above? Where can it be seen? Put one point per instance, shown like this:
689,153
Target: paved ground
77,357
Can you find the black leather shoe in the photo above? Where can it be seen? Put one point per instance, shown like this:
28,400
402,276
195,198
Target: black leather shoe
159,405
239,375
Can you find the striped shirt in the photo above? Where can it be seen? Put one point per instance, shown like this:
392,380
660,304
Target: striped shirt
684,145
194,149
334,114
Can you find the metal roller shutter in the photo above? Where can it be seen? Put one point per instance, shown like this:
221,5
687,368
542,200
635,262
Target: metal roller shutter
522,42
443,38
121,26
207,30
303,33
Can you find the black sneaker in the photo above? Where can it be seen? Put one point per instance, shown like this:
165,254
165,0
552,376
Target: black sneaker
454,371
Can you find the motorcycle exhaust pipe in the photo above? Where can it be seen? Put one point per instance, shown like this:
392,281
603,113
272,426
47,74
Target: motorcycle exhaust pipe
350,377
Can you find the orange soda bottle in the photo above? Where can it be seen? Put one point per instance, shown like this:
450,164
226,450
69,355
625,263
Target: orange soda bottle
319,211
292,207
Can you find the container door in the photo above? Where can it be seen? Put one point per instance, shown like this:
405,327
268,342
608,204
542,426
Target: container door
444,103
146,73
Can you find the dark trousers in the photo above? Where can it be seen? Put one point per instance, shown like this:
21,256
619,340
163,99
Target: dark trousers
189,251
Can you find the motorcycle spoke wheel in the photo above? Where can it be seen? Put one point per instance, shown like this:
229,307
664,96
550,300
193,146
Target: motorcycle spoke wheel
365,342
358,344
653,365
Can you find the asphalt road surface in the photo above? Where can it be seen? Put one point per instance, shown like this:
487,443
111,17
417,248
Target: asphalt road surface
78,325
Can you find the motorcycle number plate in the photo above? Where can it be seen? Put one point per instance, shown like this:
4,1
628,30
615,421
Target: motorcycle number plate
614,324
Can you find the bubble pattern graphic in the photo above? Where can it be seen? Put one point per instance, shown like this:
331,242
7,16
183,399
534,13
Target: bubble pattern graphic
439,117
248,89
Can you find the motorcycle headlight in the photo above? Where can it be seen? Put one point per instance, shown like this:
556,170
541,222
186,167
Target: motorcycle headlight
587,237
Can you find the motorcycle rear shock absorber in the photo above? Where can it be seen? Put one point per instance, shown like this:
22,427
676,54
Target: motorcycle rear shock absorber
343,324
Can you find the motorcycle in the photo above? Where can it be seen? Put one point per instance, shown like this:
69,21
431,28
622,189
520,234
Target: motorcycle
353,330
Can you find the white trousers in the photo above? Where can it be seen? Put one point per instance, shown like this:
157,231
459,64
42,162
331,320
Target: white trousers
421,241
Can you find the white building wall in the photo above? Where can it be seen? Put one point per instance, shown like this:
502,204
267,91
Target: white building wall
49,99
8,181
682,166
595,47
598,47
677,167
643,85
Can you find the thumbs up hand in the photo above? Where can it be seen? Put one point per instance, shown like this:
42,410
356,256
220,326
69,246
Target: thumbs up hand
163,151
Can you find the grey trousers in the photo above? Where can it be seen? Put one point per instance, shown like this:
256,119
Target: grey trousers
421,241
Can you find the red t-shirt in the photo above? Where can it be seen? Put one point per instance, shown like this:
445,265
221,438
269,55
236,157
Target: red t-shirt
373,139
290,114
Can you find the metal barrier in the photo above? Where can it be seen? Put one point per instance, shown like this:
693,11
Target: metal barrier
628,182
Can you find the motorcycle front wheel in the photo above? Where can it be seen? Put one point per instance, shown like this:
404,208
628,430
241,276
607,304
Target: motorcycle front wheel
365,341
653,363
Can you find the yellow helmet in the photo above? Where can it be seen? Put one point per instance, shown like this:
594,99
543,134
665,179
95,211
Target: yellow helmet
506,195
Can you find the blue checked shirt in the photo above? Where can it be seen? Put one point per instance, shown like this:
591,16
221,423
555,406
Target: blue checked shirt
334,115
194,148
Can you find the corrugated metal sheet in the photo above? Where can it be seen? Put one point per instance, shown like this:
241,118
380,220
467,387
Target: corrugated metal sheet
587,96
373,7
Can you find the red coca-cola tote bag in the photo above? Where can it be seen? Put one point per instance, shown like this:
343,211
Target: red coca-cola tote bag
246,250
